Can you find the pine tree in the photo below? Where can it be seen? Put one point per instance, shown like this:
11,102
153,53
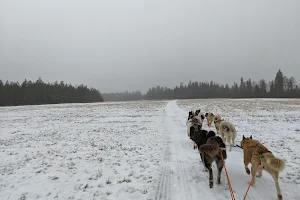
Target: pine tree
30,93
278,84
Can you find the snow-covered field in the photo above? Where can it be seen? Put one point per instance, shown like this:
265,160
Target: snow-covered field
138,150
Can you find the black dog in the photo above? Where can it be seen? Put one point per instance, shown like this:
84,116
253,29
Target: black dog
200,137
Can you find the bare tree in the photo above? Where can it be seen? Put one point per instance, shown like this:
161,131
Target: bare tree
263,86
291,83
285,83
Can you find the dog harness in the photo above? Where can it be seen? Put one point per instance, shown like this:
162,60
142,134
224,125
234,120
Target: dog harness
260,154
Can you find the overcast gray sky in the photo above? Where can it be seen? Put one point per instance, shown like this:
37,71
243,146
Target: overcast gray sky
115,45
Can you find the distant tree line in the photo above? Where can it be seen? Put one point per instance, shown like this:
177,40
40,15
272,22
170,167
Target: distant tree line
123,96
280,87
33,93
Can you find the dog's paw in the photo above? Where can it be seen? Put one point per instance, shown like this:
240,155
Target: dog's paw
195,146
248,171
211,185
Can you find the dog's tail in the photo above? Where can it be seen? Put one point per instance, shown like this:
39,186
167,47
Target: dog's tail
209,149
202,117
276,164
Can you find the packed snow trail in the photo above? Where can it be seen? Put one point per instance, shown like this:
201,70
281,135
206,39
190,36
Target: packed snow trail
183,176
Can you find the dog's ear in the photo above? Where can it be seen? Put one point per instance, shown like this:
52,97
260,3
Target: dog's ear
219,140
251,136
243,137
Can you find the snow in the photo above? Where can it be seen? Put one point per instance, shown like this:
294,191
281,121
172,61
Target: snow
139,150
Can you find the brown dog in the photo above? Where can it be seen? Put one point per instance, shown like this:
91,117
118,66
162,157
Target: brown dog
213,150
261,159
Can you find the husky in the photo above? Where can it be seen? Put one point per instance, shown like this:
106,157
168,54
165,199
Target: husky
214,150
200,138
228,132
198,113
217,121
209,118
261,159
190,116
195,122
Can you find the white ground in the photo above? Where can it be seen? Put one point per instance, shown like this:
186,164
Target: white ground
138,150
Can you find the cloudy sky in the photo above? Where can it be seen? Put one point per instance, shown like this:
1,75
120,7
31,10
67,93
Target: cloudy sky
115,45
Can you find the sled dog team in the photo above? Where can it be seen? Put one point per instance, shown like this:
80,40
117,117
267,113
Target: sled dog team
212,148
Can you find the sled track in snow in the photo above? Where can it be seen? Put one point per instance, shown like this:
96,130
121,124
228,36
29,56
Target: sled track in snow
163,190
182,172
